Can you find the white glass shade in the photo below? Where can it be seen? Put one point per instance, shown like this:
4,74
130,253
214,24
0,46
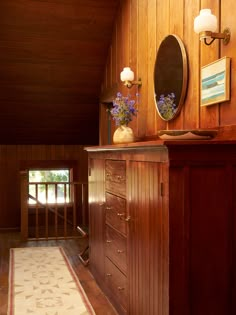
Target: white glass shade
205,21
127,74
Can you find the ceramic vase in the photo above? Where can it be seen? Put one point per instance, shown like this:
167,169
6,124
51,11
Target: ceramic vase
123,134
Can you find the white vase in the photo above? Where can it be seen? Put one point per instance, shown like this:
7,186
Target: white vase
123,134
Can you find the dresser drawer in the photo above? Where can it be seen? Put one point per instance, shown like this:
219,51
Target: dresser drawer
116,282
115,212
115,172
116,248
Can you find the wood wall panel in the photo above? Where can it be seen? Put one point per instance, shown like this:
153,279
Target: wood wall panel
114,58
209,115
176,27
152,50
163,29
228,109
142,65
125,31
174,17
190,109
15,157
133,52
109,69
119,43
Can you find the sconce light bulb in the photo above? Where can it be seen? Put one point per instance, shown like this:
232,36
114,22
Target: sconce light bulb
127,74
205,21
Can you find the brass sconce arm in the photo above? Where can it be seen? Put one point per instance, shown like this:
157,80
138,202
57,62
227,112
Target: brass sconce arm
129,84
211,35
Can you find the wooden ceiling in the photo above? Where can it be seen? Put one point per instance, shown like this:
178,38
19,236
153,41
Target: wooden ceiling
52,58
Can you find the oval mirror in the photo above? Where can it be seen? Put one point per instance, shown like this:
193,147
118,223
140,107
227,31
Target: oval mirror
170,77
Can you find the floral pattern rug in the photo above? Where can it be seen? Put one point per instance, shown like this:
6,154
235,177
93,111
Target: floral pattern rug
42,282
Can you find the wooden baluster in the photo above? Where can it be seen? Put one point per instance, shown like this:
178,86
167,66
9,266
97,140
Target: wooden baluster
84,203
46,212
65,210
73,195
36,213
24,205
56,211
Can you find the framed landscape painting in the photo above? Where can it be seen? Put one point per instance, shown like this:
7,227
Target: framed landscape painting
215,82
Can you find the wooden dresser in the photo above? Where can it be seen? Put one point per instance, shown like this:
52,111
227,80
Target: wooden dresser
116,231
163,226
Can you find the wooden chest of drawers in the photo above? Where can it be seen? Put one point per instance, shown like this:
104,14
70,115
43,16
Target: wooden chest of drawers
116,232
168,215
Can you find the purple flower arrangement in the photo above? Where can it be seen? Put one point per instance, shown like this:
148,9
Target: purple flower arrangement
167,106
123,109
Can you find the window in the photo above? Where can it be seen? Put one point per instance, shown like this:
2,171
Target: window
49,185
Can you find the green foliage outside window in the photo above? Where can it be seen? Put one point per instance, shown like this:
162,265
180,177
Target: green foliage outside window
49,176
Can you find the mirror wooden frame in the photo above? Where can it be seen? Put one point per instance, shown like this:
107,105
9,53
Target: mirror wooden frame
170,75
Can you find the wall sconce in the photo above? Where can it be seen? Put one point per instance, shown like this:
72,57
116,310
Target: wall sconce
127,76
205,24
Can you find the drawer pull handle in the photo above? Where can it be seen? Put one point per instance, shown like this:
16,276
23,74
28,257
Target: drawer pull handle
120,288
108,274
128,219
120,178
120,214
108,241
108,208
119,251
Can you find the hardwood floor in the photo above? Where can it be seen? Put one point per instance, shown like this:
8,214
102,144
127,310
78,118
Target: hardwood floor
71,247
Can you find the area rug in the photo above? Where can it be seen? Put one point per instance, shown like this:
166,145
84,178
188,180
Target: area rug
42,282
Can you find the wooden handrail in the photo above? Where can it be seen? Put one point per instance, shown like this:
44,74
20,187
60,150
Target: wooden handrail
58,183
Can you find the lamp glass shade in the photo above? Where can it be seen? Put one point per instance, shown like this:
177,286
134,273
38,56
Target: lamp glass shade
205,21
127,74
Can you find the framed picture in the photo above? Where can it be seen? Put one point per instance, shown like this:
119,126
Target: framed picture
215,82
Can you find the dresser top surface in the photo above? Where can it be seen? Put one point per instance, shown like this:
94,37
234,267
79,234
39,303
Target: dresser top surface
159,144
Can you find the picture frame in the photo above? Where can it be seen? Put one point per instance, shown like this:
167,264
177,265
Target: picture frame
215,82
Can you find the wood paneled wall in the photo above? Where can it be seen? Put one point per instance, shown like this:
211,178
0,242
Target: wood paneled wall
15,157
140,27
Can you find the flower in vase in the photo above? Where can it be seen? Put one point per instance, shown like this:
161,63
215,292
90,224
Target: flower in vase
123,109
167,106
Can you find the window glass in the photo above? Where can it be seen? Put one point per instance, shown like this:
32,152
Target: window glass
49,186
